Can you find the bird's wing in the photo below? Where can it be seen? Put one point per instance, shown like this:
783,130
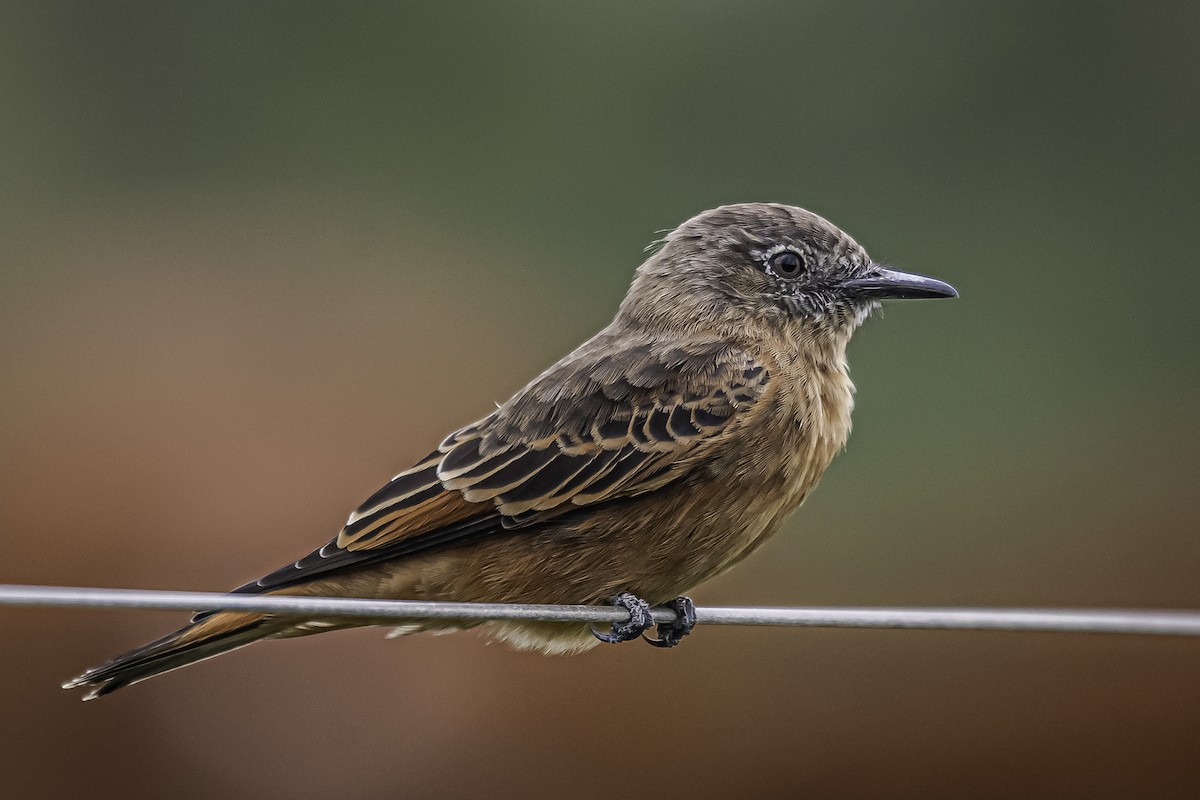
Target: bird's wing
594,428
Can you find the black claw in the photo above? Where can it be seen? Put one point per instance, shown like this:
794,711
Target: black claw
670,633
639,620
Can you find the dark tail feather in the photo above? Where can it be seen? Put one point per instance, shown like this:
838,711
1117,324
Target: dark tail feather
209,637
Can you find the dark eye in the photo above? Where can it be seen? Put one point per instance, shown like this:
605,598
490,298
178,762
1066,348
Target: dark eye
787,264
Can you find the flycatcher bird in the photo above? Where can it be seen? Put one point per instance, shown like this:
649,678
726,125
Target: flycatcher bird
661,452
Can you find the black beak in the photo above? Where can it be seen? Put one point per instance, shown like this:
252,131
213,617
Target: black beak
888,284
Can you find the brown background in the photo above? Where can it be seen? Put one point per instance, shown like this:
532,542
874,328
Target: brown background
255,260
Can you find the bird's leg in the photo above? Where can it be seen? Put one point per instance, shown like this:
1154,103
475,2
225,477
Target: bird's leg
639,620
670,633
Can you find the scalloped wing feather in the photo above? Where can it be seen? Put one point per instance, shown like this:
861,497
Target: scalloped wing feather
588,431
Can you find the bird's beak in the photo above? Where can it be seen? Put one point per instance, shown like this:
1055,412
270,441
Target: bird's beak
888,284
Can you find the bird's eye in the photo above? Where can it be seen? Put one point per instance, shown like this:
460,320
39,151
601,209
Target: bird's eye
786,264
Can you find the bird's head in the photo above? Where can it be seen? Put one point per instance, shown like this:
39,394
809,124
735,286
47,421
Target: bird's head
763,263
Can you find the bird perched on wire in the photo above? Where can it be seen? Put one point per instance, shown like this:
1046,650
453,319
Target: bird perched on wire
659,453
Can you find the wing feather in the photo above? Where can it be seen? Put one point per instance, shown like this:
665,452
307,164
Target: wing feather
593,429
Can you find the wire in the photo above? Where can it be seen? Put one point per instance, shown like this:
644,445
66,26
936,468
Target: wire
382,612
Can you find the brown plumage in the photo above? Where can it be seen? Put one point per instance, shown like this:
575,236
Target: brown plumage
656,455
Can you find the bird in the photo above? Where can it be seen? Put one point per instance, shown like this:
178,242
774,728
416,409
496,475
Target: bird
659,453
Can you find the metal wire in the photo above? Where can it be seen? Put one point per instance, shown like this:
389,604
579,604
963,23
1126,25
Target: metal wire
1155,622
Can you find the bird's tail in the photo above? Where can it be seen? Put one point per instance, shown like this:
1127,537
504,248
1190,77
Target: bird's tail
203,638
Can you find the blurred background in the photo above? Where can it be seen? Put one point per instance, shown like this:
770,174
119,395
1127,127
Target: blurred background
257,259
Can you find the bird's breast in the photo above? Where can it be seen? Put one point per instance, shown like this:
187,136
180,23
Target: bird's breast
774,462
808,423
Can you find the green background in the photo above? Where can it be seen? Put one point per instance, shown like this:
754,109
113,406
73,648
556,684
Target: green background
255,259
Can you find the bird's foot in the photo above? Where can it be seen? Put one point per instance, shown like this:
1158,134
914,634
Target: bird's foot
670,633
639,620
